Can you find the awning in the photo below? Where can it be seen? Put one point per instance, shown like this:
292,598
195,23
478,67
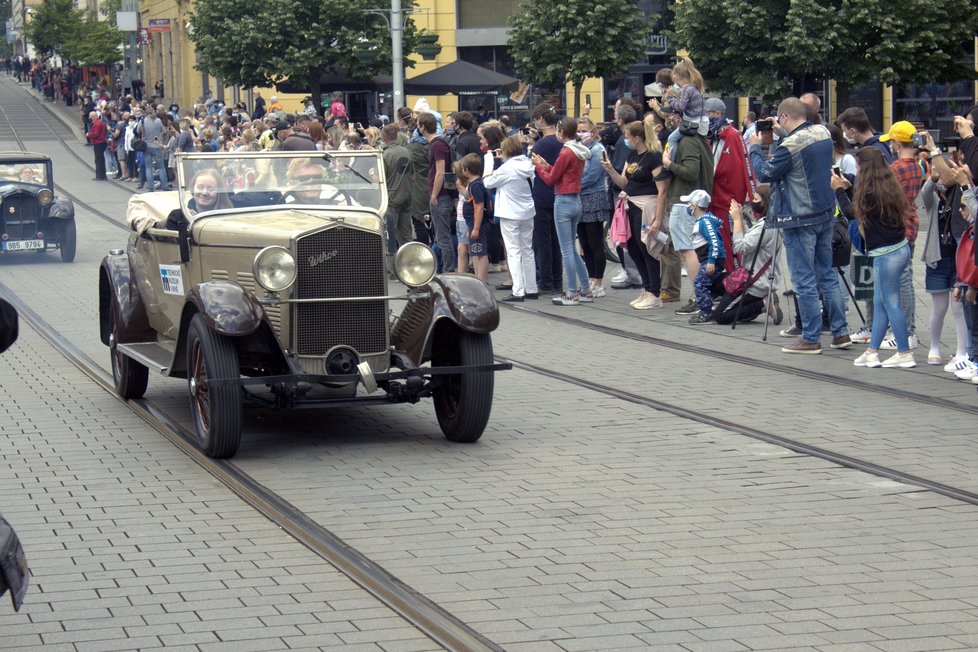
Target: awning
458,77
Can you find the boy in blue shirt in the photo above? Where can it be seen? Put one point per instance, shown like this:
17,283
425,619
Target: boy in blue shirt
709,249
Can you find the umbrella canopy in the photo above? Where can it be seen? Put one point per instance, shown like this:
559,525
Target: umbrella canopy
458,77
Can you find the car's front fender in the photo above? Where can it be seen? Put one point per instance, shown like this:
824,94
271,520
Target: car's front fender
227,308
463,300
120,303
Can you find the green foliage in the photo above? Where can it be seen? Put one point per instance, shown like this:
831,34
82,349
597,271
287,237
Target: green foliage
96,41
768,48
52,24
571,40
249,44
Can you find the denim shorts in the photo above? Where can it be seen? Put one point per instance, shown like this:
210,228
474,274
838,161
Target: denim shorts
681,227
463,232
942,277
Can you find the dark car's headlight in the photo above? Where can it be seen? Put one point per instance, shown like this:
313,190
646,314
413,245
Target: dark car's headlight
45,197
274,268
414,264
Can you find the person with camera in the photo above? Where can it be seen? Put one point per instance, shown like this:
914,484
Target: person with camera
904,141
546,247
803,210
879,206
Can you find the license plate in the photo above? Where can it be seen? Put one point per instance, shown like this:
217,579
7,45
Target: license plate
22,245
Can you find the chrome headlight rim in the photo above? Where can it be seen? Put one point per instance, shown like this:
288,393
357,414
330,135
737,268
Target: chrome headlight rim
417,255
45,197
261,272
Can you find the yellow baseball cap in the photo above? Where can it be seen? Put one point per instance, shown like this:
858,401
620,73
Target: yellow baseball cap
902,132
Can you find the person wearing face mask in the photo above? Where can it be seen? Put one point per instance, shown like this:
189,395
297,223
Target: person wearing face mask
595,211
641,180
857,131
545,244
731,176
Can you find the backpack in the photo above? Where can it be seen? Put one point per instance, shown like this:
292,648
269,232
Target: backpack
841,241
488,207
965,259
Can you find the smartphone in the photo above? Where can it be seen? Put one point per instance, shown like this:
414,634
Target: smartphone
604,156
525,131
587,99
836,170
919,140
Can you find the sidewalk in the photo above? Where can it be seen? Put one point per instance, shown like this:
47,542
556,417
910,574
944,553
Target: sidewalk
132,546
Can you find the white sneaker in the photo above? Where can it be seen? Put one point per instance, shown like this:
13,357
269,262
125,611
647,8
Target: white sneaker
639,299
901,360
891,343
868,359
957,363
620,277
585,297
861,335
598,291
684,273
968,372
974,381
650,301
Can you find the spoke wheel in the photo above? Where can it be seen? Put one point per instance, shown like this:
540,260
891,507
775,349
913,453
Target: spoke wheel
68,242
463,401
130,377
216,410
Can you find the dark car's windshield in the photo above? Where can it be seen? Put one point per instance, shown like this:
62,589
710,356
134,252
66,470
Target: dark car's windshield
24,173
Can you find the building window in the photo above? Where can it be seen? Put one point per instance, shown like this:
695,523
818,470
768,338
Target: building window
517,103
933,105
475,14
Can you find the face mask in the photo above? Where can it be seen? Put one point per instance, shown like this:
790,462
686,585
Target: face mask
757,208
628,144
849,139
586,137
716,125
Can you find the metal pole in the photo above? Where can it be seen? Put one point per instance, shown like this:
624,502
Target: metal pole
397,54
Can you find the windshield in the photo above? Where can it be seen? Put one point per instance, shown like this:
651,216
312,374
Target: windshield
25,173
229,180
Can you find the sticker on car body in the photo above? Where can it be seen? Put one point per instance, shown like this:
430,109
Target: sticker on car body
172,277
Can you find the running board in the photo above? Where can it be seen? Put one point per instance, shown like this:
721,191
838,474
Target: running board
152,355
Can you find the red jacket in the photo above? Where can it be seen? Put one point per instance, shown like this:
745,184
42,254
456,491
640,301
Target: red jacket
96,133
730,181
565,174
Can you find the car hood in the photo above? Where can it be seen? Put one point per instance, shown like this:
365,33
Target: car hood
9,188
277,227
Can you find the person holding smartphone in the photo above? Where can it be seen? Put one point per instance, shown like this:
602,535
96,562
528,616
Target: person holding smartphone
595,209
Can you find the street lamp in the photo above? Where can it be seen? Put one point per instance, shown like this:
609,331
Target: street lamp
395,23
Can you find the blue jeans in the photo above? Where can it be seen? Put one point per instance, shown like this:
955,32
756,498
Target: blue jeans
809,252
567,213
887,270
154,155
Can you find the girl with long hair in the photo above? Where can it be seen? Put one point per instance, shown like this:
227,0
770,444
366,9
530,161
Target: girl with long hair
879,205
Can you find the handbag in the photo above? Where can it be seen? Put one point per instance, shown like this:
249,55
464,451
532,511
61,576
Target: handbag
138,145
620,230
736,282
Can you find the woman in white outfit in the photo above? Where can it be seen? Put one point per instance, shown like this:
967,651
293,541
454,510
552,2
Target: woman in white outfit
512,182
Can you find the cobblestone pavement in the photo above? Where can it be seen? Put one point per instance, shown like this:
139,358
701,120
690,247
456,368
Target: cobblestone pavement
579,521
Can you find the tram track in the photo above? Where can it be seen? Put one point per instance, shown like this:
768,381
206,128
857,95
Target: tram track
402,599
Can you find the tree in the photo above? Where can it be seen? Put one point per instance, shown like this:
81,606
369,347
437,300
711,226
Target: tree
771,48
572,40
249,44
53,23
95,42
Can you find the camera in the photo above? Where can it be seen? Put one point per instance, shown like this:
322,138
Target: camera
767,124
919,139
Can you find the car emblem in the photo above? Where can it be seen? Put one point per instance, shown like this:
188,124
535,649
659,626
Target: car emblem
326,256
12,210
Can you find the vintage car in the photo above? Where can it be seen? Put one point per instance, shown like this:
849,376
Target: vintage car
263,281
32,218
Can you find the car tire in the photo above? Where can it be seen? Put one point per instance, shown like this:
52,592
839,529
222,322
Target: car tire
130,377
609,251
68,242
216,411
463,401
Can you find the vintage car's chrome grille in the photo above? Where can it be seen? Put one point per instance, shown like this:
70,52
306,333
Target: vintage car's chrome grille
19,217
340,262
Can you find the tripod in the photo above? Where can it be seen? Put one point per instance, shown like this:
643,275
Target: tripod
852,295
770,281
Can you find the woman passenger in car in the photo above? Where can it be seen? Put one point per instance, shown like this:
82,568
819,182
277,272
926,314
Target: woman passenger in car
209,192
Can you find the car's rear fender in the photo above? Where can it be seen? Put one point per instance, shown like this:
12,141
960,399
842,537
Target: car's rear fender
228,309
456,301
119,302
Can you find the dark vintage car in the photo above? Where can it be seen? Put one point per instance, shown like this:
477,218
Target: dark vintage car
263,281
32,218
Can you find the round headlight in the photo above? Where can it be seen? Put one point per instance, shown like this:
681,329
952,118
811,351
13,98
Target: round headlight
45,197
414,264
274,268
